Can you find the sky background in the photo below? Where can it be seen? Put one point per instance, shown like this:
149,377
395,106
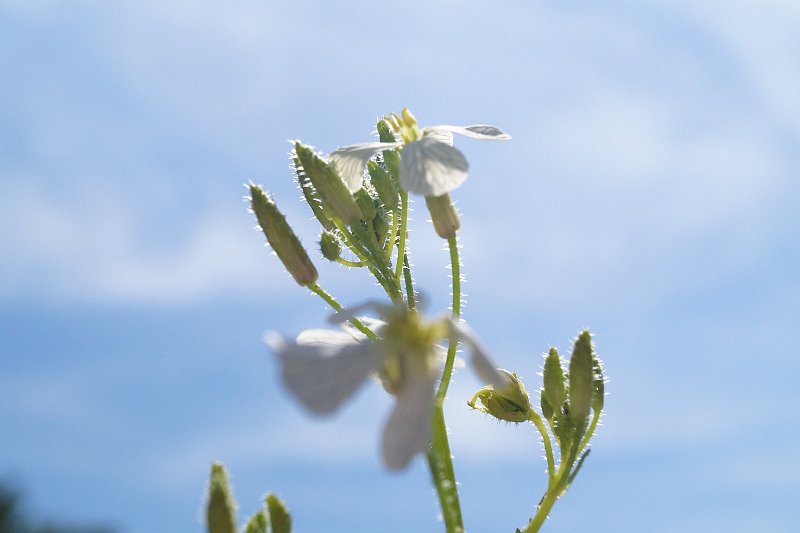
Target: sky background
649,193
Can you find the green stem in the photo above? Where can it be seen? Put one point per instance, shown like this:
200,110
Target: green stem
542,510
330,300
548,446
353,264
440,460
589,432
412,302
401,246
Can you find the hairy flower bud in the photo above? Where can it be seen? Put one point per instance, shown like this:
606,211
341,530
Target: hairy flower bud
554,391
328,185
581,379
599,384
279,518
221,509
390,157
281,237
384,185
330,246
365,204
443,215
510,403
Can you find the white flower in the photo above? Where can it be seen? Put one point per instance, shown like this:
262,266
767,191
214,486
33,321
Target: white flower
429,165
323,368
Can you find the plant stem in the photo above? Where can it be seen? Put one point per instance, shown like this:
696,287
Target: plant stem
330,300
440,459
401,246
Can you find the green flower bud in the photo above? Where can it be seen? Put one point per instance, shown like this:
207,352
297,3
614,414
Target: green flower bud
381,223
311,196
330,246
547,409
390,157
581,379
384,185
281,237
221,509
279,518
510,404
365,204
328,185
257,523
443,214
554,390
599,385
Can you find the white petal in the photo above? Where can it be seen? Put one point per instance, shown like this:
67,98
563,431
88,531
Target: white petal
478,131
340,317
443,136
408,429
325,337
350,161
323,372
431,168
483,366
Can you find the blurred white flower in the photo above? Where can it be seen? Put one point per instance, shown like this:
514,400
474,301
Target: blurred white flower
323,368
429,165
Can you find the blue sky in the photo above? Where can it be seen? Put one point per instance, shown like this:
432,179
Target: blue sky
649,193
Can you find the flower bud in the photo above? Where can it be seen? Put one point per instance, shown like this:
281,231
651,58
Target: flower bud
279,518
365,204
311,196
330,246
510,403
443,215
221,509
281,237
554,391
581,379
390,157
328,184
384,185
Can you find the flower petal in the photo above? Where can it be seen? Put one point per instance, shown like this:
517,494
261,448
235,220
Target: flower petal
408,429
431,168
483,366
350,161
481,132
443,136
323,371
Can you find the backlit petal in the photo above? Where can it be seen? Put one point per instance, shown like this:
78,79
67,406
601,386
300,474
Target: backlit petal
408,429
478,131
431,168
323,372
483,366
350,161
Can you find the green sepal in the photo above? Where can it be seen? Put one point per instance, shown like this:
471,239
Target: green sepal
365,204
581,379
279,518
547,409
328,185
221,508
257,523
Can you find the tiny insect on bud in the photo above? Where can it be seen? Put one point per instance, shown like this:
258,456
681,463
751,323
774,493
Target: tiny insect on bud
581,378
328,185
599,384
281,237
511,403
443,215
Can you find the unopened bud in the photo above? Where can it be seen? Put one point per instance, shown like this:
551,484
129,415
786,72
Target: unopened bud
311,196
257,523
554,390
365,204
281,237
443,215
221,509
390,157
384,185
279,518
330,246
328,185
510,403
581,378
